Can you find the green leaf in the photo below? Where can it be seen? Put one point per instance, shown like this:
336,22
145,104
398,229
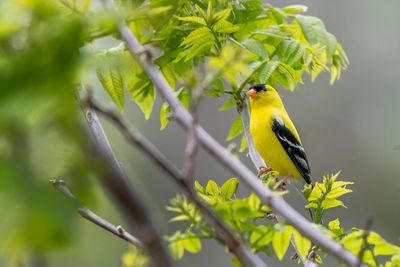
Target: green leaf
176,249
281,241
201,34
256,47
266,70
236,262
292,9
331,203
337,192
179,218
383,248
271,32
236,129
212,188
194,19
138,85
199,188
192,244
294,75
165,110
198,48
287,48
169,76
262,237
314,31
353,241
229,188
243,144
183,97
111,80
218,85
312,205
231,102
143,94
224,26
222,15
335,224
303,245
316,193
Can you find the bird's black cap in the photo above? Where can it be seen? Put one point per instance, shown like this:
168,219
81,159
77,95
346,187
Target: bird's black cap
258,87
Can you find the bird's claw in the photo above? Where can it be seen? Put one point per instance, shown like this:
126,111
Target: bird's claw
263,170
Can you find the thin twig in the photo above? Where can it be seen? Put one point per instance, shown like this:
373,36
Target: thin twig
93,217
117,186
215,149
224,234
310,260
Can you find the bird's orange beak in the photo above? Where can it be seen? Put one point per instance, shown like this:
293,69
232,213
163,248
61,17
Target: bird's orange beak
252,93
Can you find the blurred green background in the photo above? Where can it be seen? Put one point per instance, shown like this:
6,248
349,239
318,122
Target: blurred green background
351,126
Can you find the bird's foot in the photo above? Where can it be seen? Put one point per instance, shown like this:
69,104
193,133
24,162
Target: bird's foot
281,184
263,170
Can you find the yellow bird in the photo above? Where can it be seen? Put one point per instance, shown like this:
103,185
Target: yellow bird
275,136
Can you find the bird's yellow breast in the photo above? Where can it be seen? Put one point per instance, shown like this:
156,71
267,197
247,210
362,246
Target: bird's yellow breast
265,140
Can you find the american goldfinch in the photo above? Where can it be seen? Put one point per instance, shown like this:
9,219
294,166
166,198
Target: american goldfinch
274,134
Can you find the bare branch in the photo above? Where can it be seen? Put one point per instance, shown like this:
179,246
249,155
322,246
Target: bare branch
214,148
117,186
190,151
93,217
224,234
254,155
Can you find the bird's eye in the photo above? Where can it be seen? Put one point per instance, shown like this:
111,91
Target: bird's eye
259,87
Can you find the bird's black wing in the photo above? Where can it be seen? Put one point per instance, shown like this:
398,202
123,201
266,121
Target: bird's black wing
292,147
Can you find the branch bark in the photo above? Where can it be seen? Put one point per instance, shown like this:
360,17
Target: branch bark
133,136
253,153
115,183
93,217
215,149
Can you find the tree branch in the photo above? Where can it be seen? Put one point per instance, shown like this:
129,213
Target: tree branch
190,151
117,186
93,217
224,234
215,149
253,153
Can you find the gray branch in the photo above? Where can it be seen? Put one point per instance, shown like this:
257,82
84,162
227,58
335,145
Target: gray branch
115,183
215,149
253,153
224,234
93,217
190,152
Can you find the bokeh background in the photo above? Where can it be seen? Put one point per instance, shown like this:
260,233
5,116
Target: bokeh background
352,126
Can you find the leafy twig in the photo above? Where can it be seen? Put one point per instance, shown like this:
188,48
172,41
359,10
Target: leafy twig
365,246
224,234
215,149
93,217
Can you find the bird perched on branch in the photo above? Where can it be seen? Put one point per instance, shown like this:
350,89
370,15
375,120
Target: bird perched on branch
275,136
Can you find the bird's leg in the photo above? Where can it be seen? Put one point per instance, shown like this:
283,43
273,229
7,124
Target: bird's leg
263,170
281,183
